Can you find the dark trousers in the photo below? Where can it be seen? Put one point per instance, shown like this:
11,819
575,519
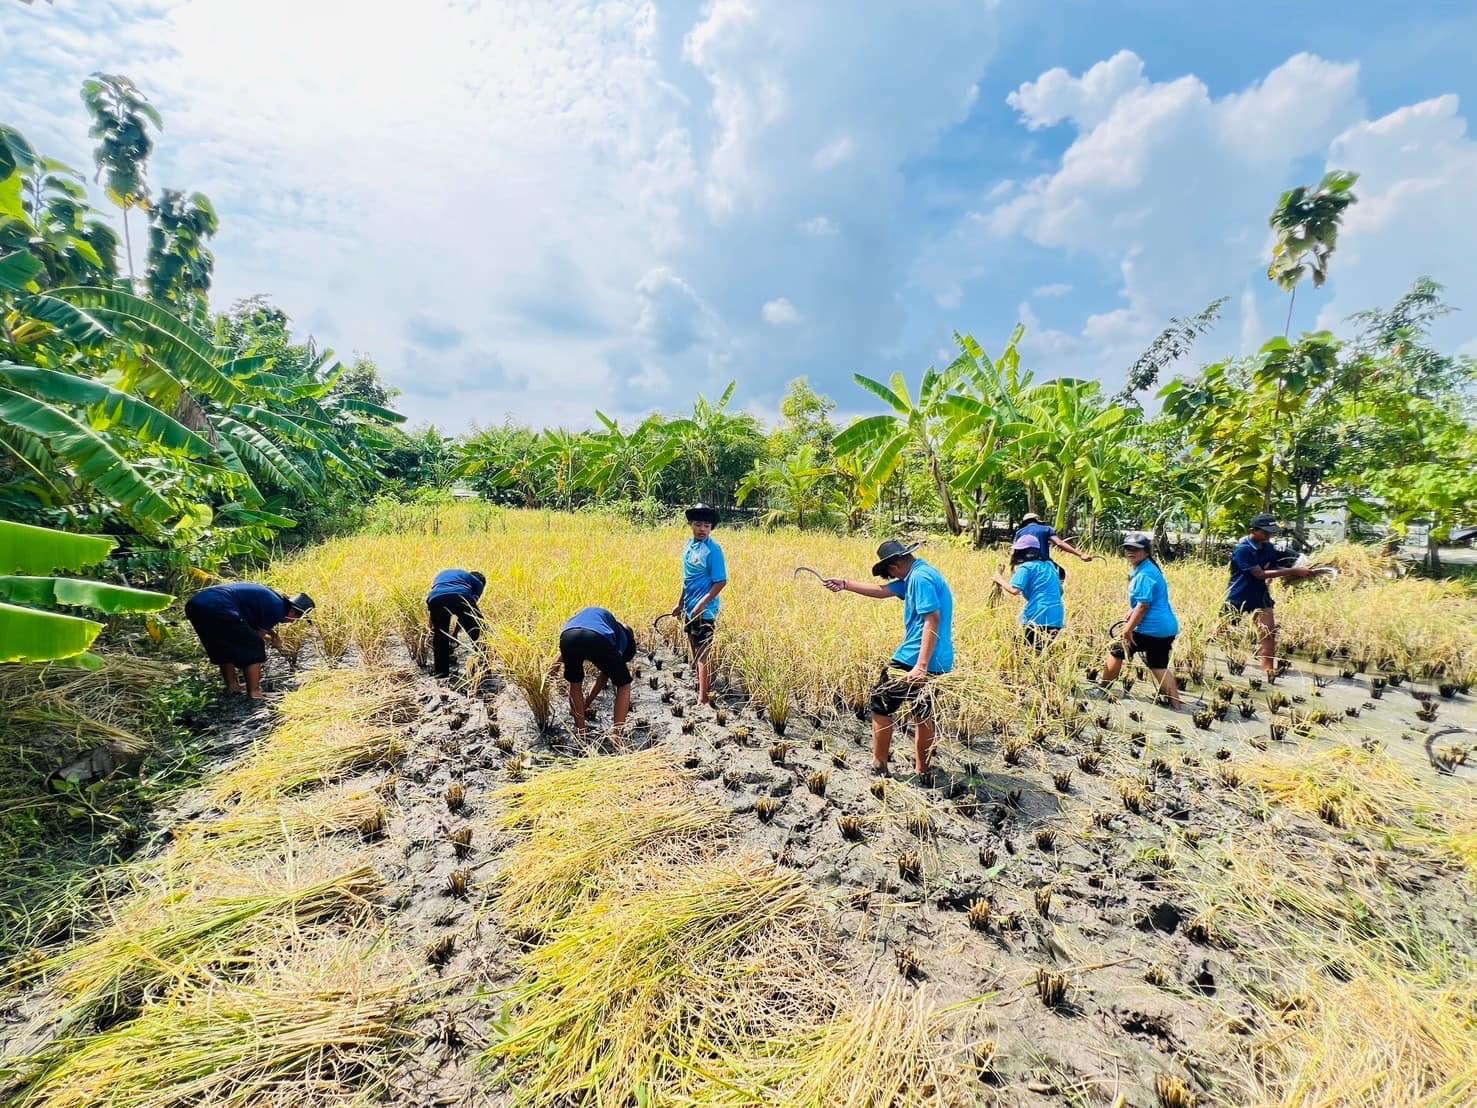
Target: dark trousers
443,640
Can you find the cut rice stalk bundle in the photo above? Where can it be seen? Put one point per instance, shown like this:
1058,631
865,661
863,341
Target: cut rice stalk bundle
208,920
585,817
288,820
638,988
309,1027
294,758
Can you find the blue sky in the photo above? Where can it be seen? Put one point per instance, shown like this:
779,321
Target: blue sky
540,208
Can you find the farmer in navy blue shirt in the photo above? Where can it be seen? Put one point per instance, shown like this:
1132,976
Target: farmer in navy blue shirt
1045,534
927,649
704,575
235,621
454,593
594,635
1254,562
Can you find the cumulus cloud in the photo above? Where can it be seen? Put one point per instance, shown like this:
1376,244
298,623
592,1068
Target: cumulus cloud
779,311
1048,292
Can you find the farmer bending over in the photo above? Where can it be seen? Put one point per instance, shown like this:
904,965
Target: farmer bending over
704,573
1253,564
1151,625
927,648
594,635
454,592
1046,536
1036,579
235,622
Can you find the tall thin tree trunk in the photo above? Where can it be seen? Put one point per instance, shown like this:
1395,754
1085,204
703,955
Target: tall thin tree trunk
128,249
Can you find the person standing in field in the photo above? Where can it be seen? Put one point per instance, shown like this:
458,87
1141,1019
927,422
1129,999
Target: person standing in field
1254,563
454,594
1037,580
235,622
1046,537
927,649
1151,626
704,575
594,635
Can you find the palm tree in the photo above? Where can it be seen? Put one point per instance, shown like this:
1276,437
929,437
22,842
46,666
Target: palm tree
884,438
796,486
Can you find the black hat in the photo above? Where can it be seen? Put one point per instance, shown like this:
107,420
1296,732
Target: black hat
303,603
1264,522
889,551
1133,541
702,513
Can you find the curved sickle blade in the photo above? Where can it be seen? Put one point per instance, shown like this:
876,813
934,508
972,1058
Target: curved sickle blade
806,569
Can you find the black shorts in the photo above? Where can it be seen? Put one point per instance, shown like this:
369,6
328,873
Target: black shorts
579,645
1241,607
700,636
893,693
1040,636
1061,570
228,639
1154,648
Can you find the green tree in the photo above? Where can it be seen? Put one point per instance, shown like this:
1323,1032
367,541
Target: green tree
793,488
1306,223
181,266
121,117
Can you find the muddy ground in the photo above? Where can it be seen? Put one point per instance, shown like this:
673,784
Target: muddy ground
1114,914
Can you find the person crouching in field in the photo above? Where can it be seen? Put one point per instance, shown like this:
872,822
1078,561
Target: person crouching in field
704,574
1046,537
1037,580
454,593
236,621
1253,564
927,648
1151,625
594,635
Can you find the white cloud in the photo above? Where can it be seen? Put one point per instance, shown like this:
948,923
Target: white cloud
779,311
820,226
1047,292
834,153
1087,100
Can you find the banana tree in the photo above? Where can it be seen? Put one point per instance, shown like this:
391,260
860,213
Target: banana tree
1071,431
792,487
921,425
29,632
629,464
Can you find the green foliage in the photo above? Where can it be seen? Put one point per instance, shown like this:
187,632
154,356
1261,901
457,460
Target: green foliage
1306,223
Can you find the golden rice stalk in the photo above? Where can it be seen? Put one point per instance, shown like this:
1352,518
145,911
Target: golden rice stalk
205,920
582,818
308,1026
287,820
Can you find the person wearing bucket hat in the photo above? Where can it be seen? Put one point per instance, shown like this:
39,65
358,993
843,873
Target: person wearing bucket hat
1037,580
594,635
1046,537
1151,626
454,595
1254,562
704,575
235,621
926,651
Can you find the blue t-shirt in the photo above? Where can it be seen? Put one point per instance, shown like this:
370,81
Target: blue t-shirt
702,566
262,608
456,582
1246,591
1041,533
603,622
1041,585
1147,585
924,590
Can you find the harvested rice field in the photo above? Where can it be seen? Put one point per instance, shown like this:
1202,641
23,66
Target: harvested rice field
398,891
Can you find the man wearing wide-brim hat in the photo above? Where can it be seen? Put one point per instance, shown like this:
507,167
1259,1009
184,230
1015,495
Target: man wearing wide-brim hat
235,621
927,649
704,576
1254,562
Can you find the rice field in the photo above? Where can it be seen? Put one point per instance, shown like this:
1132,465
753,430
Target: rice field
414,893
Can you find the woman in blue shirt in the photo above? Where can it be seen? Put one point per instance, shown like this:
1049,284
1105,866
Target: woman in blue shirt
1151,625
1036,579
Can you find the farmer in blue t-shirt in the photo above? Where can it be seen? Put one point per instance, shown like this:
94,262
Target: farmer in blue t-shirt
1037,580
235,621
1046,537
704,575
927,649
1151,626
1254,562
454,594
594,635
